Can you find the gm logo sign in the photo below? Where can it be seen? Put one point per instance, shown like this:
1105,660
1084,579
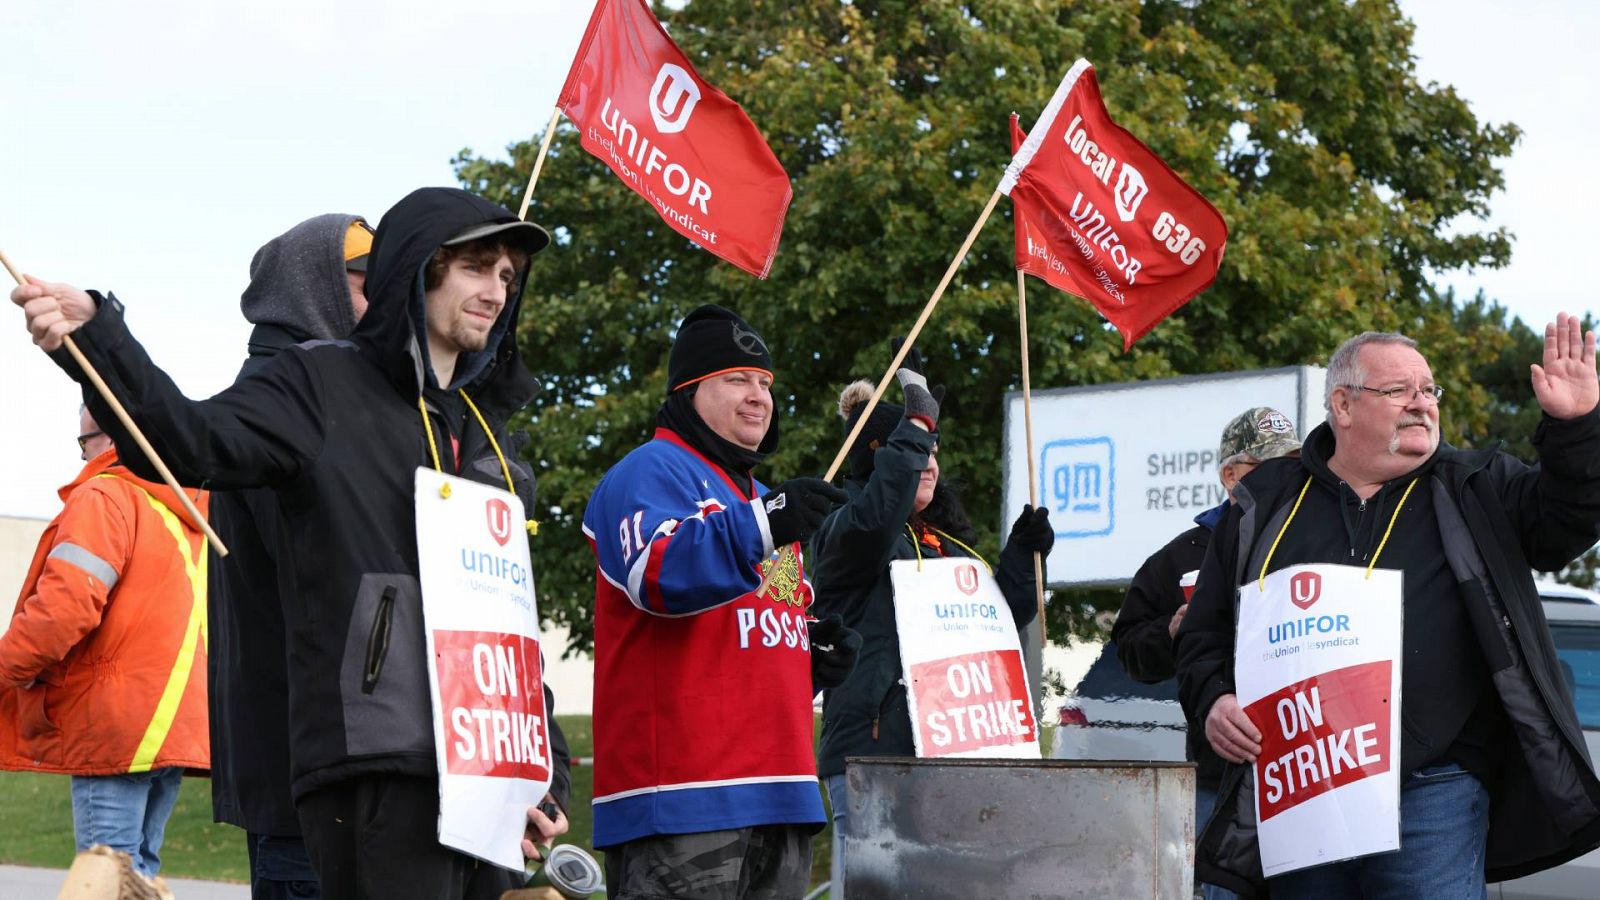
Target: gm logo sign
1079,481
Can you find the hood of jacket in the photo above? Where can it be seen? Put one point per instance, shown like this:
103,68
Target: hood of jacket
393,333
298,283
299,290
108,464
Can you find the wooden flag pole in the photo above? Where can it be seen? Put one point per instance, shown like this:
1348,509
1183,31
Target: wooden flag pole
1027,427
538,163
911,338
127,422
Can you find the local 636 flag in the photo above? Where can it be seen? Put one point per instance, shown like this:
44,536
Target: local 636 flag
1101,216
680,143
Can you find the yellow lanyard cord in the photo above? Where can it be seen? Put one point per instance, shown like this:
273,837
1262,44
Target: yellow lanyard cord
433,448
917,546
1274,548
1370,566
427,428
505,470
1391,526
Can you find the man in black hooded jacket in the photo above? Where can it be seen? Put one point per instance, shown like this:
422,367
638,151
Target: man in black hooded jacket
1496,781
338,430
305,284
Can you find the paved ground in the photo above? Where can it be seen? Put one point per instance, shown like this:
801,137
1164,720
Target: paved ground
28,883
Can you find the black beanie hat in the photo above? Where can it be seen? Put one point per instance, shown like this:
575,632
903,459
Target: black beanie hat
884,419
712,340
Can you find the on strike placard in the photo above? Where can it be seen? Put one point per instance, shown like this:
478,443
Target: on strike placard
1317,670
491,737
965,683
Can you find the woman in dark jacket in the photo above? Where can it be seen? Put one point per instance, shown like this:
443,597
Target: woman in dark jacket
898,509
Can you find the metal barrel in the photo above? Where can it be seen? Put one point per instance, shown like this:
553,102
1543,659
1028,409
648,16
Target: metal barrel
1018,828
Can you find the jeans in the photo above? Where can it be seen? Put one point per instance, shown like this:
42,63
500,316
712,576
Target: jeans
1444,824
125,812
836,791
280,869
1205,800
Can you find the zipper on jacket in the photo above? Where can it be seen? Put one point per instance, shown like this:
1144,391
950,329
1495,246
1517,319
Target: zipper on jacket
378,641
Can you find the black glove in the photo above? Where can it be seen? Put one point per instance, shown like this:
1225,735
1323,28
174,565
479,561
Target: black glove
796,507
1032,532
913,360
834,649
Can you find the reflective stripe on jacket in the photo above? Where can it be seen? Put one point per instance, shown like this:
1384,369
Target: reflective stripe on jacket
102,669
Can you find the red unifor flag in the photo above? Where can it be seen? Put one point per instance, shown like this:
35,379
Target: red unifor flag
680,143
1101,216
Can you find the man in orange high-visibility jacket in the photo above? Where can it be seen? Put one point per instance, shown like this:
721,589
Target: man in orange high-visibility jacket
103,667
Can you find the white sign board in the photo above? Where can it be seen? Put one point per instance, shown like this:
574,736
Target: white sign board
489,731
962,662
1124,468
1317,670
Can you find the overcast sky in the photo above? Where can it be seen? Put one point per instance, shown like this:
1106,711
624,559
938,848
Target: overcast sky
150,148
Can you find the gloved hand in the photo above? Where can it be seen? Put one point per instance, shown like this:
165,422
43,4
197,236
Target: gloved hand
796,507
1032,532
913,360
834,649
922,404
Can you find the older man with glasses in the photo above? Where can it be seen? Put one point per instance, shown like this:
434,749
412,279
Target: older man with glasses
1495,780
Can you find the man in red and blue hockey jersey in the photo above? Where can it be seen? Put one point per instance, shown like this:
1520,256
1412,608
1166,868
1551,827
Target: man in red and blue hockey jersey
705,783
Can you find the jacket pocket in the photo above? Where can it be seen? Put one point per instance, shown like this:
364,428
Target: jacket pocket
33,713
383,674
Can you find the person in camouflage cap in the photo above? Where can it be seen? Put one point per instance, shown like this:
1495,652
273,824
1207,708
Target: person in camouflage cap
1255,435
1159,594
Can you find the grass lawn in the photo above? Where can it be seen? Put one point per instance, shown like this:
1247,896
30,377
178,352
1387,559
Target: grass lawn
36,821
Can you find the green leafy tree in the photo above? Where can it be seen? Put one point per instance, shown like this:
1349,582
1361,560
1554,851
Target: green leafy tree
1302,120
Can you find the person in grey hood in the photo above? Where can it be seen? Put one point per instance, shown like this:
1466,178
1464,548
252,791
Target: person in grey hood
305,285
337,430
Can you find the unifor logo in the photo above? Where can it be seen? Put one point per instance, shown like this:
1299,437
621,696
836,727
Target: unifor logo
499,515
1305,588
967,578
1130,192
672,99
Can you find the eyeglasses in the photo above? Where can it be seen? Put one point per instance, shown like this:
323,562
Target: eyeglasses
84,439
1428,392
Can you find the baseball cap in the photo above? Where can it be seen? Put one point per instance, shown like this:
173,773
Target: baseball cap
525,235
1261,432
357,244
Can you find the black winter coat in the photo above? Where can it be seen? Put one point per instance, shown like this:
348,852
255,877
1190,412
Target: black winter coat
1144,647
248,689
335,429
299,291
1498,520
867,715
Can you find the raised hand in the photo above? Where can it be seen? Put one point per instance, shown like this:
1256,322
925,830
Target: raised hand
1565,384
54,311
